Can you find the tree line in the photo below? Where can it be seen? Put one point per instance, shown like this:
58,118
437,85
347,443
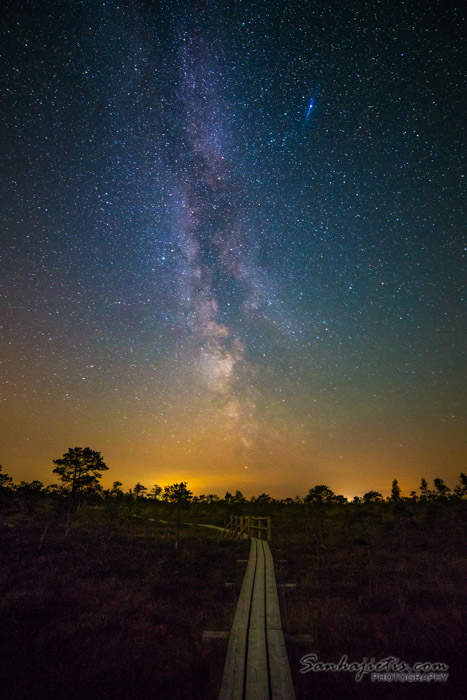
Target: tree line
80,470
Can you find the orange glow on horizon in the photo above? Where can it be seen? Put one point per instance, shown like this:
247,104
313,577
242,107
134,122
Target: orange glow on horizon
280,459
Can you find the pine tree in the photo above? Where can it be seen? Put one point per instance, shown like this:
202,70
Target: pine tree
395,491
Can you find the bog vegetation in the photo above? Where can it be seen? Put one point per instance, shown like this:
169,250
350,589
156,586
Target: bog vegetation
105,593
80,470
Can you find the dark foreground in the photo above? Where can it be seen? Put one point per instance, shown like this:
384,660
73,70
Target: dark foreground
109,610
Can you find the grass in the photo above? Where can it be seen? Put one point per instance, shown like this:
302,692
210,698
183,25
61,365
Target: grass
109,610
378,582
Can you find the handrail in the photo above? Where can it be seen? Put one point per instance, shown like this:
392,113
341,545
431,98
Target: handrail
245,526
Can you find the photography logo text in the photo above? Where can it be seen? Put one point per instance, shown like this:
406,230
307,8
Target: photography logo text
388,670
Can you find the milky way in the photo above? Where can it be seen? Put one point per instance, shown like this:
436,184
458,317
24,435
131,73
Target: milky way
232,242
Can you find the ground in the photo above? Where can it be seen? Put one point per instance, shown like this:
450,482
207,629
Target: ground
108,609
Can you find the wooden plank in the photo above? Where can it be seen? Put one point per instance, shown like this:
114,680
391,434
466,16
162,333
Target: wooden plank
244,599
234,668
213,527
258,606
281,678
279,668
272,602
235,661
256,666
257,680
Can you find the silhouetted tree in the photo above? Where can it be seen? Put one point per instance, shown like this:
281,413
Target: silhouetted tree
5,480
323,494
460,490
425,493
116,491
372,497
29,487
139,490
156,492
80,470
208,498
180,497
239,497
177,493
54,490
395,491
441,489
264,498
29,492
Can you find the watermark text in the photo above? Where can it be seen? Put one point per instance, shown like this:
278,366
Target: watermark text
387,670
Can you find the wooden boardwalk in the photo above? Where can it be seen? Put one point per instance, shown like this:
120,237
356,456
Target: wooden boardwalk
256,666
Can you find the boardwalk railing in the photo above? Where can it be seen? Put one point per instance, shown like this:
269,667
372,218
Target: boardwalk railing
256,666
244,526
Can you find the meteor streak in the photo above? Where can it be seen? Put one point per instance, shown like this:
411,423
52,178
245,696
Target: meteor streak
311,106
309,109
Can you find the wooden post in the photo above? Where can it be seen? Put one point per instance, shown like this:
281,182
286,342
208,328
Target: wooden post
226,530
249,525
269,528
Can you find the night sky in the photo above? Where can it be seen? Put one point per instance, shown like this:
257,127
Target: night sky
232,242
